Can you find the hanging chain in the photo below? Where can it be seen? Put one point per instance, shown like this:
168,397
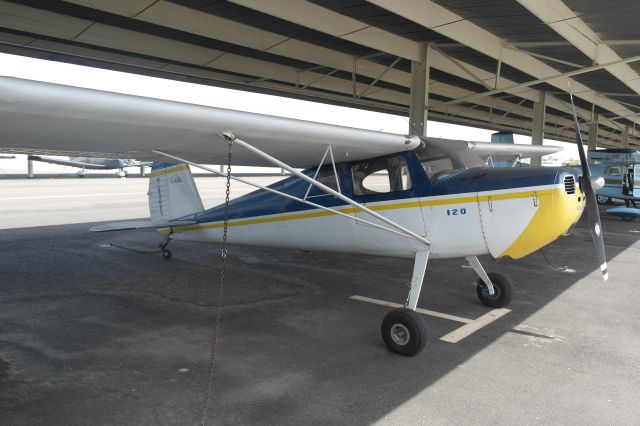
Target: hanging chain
223,279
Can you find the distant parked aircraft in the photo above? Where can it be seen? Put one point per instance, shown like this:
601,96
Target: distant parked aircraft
91,163
619,167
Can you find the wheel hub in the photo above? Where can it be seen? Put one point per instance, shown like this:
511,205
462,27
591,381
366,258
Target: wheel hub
400,334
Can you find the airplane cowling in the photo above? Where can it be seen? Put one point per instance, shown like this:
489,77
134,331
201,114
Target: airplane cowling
518,224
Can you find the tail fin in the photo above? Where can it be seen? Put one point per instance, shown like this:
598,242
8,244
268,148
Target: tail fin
172,192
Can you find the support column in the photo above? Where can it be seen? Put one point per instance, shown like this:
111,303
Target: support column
537,135
625,137
419,95
29,167
593,132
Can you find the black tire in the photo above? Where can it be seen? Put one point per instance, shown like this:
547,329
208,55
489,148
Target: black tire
166,254
404,332
602,200
502,287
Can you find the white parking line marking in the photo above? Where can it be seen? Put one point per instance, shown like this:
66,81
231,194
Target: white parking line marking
419,310
460,333
470,326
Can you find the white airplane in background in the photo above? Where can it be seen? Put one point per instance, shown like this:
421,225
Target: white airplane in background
435,198
91,163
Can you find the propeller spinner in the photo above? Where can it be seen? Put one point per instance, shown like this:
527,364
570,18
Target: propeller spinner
593,215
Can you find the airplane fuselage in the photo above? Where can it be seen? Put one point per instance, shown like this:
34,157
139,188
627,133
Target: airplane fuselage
502,212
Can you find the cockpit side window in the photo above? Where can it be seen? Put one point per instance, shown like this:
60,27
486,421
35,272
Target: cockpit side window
381,176
327,177
442,157
437,167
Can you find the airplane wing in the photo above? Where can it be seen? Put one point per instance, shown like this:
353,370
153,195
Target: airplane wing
62,162
502,151
44,117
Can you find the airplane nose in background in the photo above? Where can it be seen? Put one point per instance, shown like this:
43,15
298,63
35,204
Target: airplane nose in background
597,182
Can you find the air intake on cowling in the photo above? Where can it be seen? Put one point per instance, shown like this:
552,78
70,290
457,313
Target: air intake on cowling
569,185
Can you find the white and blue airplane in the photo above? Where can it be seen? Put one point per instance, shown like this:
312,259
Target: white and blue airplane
360,192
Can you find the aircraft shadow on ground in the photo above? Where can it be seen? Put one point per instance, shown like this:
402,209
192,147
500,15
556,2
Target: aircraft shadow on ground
92,329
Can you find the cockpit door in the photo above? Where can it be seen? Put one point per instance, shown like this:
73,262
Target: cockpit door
386,185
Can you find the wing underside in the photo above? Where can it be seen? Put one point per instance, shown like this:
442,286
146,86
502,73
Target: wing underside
52,118
500,151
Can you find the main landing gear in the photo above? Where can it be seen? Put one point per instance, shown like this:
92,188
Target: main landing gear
403,330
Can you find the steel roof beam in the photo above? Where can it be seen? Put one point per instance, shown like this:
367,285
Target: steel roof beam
308,14
181,18
437,18
548,79
161,48
566,23
138,43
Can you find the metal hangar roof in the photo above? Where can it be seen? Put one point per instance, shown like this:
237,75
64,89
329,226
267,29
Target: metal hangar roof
489,62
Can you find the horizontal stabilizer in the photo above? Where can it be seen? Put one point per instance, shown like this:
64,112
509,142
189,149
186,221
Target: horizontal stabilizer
139,224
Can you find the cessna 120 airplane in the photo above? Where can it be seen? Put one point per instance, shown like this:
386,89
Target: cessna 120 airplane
362,191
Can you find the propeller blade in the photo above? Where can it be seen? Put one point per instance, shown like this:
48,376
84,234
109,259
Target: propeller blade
593,215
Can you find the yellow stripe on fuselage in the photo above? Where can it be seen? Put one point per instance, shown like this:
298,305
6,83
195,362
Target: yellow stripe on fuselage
380,207
172,169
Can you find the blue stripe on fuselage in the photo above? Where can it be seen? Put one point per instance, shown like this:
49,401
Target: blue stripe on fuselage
262,203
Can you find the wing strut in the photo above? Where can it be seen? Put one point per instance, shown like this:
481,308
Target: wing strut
325,188
399,229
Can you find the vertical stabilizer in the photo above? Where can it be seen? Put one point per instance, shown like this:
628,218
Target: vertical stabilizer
172,192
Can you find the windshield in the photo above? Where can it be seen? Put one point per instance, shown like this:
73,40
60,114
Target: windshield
443,157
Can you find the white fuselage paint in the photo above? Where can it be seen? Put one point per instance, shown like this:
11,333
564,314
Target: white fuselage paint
458,225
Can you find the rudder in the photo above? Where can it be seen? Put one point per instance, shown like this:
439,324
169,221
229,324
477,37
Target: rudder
172,192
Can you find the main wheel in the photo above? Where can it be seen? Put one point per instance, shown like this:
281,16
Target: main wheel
601,199
503,291
404,332
166,253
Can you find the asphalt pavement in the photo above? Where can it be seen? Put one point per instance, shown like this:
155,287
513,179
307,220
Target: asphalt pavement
100,329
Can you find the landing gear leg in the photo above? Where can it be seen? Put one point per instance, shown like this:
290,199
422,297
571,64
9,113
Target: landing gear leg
166,253
494,290
403,330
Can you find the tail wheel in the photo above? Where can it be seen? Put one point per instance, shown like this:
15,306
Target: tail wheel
503,291
166,253
404,332
601,199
